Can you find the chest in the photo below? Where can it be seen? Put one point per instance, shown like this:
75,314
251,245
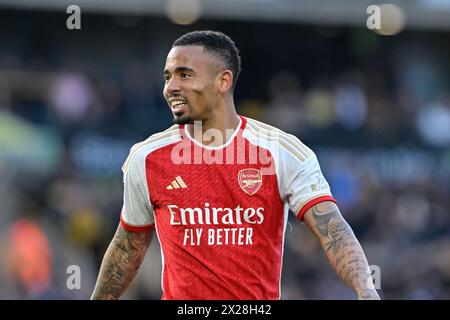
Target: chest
220,184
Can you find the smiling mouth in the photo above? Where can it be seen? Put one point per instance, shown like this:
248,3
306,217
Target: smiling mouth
178,106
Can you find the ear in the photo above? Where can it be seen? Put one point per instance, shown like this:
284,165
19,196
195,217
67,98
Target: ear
225,80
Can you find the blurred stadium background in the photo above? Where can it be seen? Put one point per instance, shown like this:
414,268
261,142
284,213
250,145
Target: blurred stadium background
375,106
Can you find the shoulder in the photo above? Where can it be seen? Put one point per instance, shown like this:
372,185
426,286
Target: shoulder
283,143
141,150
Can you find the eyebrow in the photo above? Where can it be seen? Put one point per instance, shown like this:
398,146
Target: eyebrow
180,69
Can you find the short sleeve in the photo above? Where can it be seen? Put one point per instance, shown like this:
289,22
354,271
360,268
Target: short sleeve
137,211
304,184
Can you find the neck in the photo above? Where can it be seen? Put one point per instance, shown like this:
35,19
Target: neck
216,130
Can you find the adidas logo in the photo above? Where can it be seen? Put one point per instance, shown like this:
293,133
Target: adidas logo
177,184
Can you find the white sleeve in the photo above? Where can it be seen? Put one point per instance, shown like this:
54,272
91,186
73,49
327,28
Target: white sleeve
304,184
137,211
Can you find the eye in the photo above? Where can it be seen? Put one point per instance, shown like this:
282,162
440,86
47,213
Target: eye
185,75
166,77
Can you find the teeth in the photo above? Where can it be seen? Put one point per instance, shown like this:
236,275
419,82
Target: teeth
177,104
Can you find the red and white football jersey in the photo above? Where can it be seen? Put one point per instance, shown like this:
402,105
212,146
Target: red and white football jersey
220,212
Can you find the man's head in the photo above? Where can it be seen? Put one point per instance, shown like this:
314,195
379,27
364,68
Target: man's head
201,69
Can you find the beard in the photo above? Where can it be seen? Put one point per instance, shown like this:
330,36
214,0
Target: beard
183,119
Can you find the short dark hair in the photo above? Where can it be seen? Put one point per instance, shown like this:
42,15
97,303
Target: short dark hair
216,43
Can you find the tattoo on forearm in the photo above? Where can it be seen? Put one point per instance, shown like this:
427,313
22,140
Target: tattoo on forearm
343,250
121,263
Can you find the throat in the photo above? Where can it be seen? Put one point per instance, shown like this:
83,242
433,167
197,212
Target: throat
207,134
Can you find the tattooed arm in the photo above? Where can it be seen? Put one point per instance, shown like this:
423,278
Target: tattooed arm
341,247
121,263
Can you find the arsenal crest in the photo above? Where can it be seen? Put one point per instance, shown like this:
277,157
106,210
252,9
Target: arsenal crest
250,180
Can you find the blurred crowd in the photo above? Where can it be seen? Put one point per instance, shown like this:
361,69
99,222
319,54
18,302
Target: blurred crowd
377,113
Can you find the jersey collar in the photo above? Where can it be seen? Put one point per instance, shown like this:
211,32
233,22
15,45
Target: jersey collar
240,127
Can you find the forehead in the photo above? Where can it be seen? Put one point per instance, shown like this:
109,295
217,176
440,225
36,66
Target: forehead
194,57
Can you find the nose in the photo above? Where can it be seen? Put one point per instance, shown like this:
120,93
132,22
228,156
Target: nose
172,86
